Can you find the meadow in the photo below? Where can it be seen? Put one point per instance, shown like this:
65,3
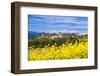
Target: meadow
67,47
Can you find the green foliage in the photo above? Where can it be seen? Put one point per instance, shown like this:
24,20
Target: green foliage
41,42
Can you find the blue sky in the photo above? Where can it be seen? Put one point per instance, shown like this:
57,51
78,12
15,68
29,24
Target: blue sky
55,24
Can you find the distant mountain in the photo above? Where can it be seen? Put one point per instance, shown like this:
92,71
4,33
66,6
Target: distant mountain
32,34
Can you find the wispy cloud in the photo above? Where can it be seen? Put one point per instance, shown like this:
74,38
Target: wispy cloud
57,23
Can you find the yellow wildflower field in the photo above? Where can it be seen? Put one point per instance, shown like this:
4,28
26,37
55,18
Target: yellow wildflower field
64,51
